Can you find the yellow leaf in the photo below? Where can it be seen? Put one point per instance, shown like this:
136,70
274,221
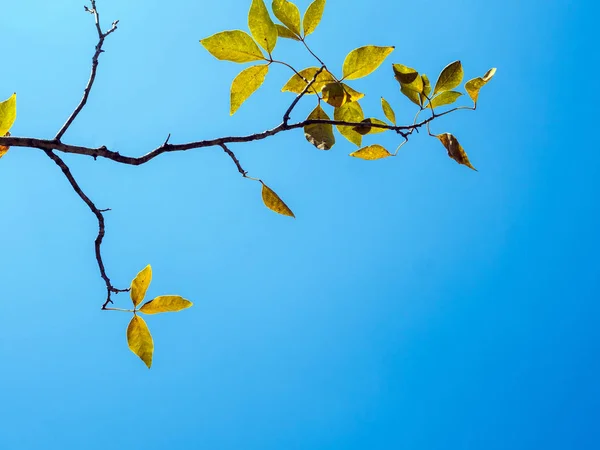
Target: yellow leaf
445,98
334,94
274,203
371,153
312,16
408,78
245,84
236,46
284,32
361,61
473,86
426,88
450,77
319,134
296,84
350,112
412,95
140,284
388,111
455,150
288,14
261,26
165,303
366,127
8,114
139,340
4,148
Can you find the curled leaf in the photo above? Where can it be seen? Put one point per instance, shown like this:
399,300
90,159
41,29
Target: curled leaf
445,98
139,285
261,26
473,86
165,303
366,128
236,46
411,83
245,84
371,153
8,114
350,112
288,14
274,203
319,134
312,16
361,61
297,83
450,77
139,340
455,150
426,88
388,111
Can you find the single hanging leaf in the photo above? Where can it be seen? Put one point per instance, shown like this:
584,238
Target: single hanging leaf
350,112
296,84
236,46
361,61
371,153
312,16
455,150
366,128
261,26
274,203
473,86
284,32
388,111
4,148
445,98
245,84
165,303
288,14
450,77
319,134
139,340
140,284
8,114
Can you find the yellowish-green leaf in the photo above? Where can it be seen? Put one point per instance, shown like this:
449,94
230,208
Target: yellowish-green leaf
245,84
284,32
274,203
361,61
237,46
413,96
455,150
445,98
319,134
297,83
261,26
165,303
351,94
450,77
140,284
473,86
350,112
4,148
8,114
139,340
367,128
408,78
334,94
426,88
288,14
371,153
388,111
312,16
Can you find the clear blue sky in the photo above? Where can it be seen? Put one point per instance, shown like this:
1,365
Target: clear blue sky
413,303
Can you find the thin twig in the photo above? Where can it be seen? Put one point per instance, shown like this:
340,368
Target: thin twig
286,116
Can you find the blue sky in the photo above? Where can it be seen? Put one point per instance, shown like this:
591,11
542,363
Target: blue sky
412,304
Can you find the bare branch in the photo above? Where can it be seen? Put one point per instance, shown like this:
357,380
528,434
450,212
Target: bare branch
286,116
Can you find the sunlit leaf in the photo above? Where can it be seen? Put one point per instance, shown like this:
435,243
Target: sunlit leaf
371,153
274,203
236,46
388,111
350,112
245,84
4,148
261,26
455,150
140,284
139,340
8,114
165,303
426,88
288,14
312,16
361,61
366,128
296,84
334,94
319,134
473,86
413,96
408,78
284,32
445,98
450,77
351,94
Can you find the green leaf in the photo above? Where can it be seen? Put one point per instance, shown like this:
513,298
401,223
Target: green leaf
288,14
165,303
445,98
371,153
245,84
366,127
312,16
4,148
8,114
236,46
139,340
388,111
450,77
455,150
408,78
261,26
139,285
284,32
350,112
274,203
319,134
296,84
361,61
473,86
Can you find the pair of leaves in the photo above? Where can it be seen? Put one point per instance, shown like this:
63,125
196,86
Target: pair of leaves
289,15
139,338
8,115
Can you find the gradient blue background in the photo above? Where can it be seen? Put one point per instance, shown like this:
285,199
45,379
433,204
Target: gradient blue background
413,304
